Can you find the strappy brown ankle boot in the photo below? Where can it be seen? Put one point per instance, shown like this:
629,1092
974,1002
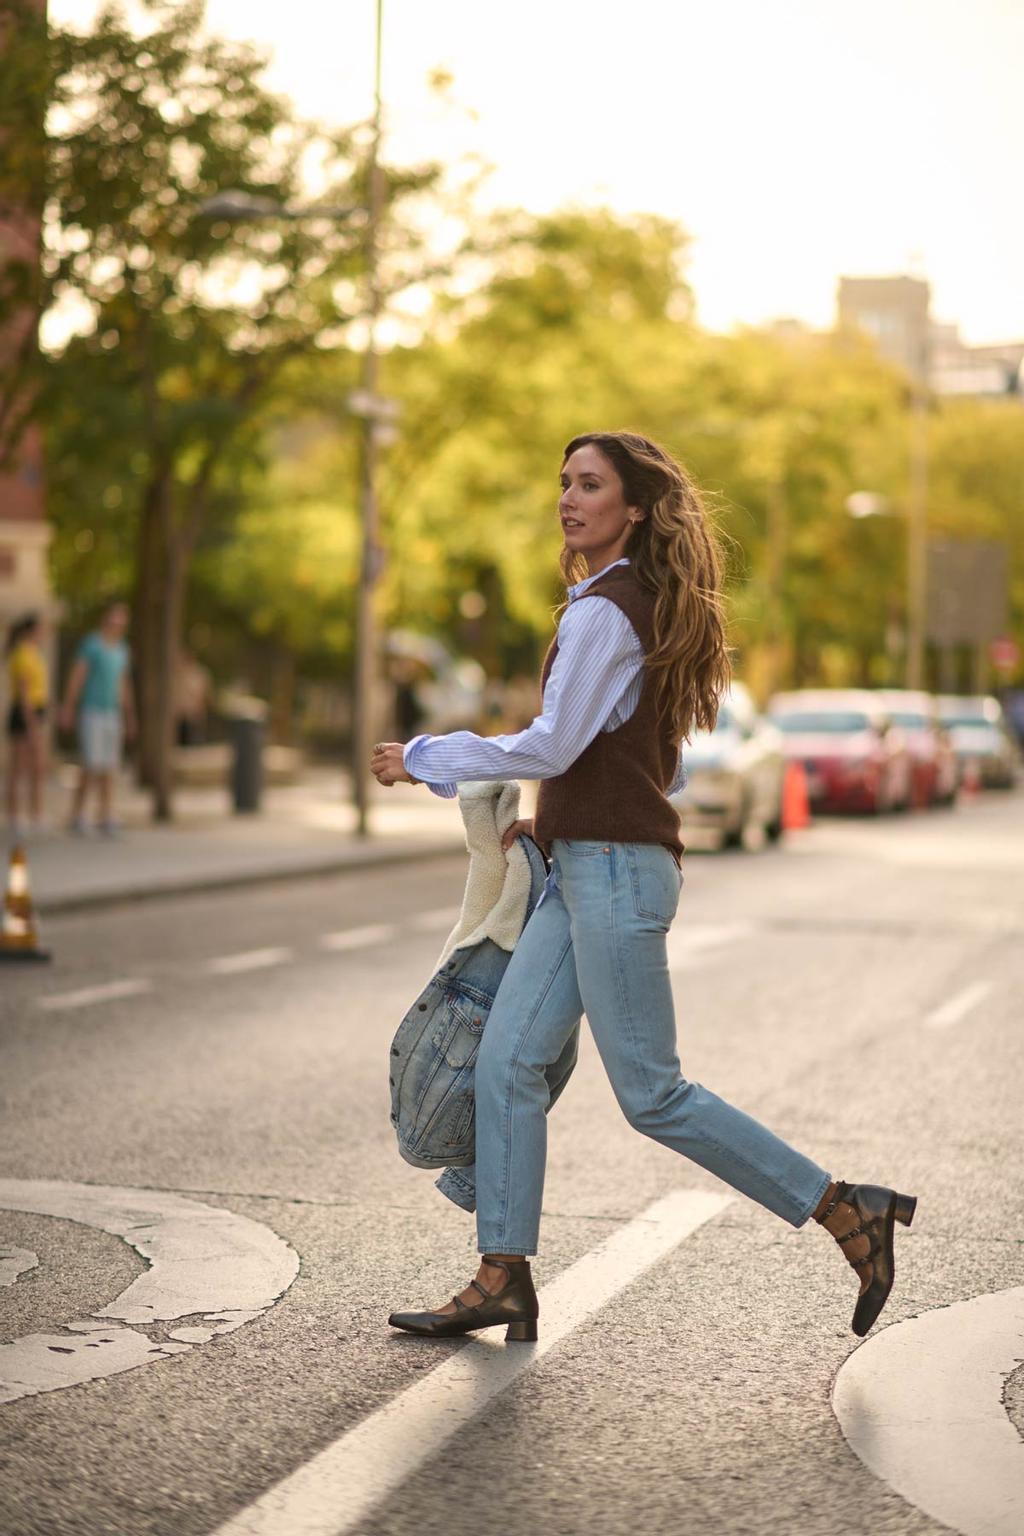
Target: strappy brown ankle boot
875,1209
515,1304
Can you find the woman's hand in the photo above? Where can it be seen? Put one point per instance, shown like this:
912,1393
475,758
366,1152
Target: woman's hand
386,764
510,834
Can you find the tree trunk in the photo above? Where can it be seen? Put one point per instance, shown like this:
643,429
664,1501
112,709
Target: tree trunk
146,625
282,694
175,552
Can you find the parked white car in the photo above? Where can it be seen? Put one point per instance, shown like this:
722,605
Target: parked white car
733,793
982,738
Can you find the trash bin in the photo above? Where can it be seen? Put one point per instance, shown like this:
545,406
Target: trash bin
247,727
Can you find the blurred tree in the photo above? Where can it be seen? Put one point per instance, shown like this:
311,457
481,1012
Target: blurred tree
23,94
588,324
169,331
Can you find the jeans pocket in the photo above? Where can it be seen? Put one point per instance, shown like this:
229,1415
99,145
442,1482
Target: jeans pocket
655,881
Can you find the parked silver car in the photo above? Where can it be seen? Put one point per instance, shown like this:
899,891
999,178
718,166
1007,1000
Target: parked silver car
981,738
733,794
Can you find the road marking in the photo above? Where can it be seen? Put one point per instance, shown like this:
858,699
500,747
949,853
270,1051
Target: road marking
688,943
958,1006
15,1262
332,1493
921,1405
106,992
203,1260
438,917
355,938
249,960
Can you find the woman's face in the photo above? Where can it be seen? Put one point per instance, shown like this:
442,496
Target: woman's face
594,500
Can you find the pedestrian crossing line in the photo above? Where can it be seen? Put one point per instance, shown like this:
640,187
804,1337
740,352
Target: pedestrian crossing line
355,938
104,992
688,943
438,917
332,1494
958,1006
249,960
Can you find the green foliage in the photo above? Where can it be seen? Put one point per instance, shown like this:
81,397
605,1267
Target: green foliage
287,574
206,381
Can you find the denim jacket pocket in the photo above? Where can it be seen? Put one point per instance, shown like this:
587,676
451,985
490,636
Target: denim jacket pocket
459,1030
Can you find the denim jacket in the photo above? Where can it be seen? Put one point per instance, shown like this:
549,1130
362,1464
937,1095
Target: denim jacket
433,1056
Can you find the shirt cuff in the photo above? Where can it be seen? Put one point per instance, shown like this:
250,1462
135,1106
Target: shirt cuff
446,791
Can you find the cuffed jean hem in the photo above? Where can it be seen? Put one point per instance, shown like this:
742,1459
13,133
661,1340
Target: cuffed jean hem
524,1250
815,1202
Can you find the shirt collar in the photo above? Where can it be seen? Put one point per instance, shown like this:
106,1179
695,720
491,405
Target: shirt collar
575,591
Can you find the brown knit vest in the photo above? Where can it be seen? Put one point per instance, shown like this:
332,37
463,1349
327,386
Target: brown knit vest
616,787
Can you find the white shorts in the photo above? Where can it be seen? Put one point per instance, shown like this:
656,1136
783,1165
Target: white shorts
99,737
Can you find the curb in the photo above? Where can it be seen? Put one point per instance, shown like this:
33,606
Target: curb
194,885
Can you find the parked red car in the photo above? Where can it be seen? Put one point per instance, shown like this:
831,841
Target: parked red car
853,756
934,771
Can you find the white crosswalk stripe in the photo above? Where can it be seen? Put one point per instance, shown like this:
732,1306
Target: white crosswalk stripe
104,992
249,960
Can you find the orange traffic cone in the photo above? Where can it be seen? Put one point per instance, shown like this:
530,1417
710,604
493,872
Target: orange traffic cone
970,783
796,811
18,937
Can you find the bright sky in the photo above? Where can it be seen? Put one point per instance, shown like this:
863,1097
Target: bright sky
794,139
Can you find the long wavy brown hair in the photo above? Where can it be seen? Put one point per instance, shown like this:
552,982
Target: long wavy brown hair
674,552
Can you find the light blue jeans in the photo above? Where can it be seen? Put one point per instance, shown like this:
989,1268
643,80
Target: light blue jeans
596,945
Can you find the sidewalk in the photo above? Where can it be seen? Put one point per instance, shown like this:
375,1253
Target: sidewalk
302,829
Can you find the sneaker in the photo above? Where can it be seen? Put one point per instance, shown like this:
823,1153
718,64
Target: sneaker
109,828
78,826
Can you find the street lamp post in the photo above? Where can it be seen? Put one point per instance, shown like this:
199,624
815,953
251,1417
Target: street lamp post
862,504
376,416
917,537
364,725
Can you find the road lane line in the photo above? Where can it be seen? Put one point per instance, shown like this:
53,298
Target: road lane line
921,1404
333,1492
687,943
106,992
249,960
355,938
958,1006
438,917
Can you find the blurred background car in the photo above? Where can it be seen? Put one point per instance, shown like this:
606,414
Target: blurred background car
447,692
935,774
981,738
853,756
733,793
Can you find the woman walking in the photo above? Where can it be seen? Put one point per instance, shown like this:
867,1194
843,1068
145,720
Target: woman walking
26,723
639,661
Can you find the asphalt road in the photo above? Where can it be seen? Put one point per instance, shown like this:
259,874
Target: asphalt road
857,990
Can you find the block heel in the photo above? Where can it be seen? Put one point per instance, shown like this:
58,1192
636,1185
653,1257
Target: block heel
522,1333
906,1205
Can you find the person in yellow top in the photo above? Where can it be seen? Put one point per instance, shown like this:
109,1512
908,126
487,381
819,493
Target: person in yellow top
29,688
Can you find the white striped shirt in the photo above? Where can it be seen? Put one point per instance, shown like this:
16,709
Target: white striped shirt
597,676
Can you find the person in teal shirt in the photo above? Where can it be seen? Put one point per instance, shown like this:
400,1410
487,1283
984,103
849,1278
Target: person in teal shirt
99,693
